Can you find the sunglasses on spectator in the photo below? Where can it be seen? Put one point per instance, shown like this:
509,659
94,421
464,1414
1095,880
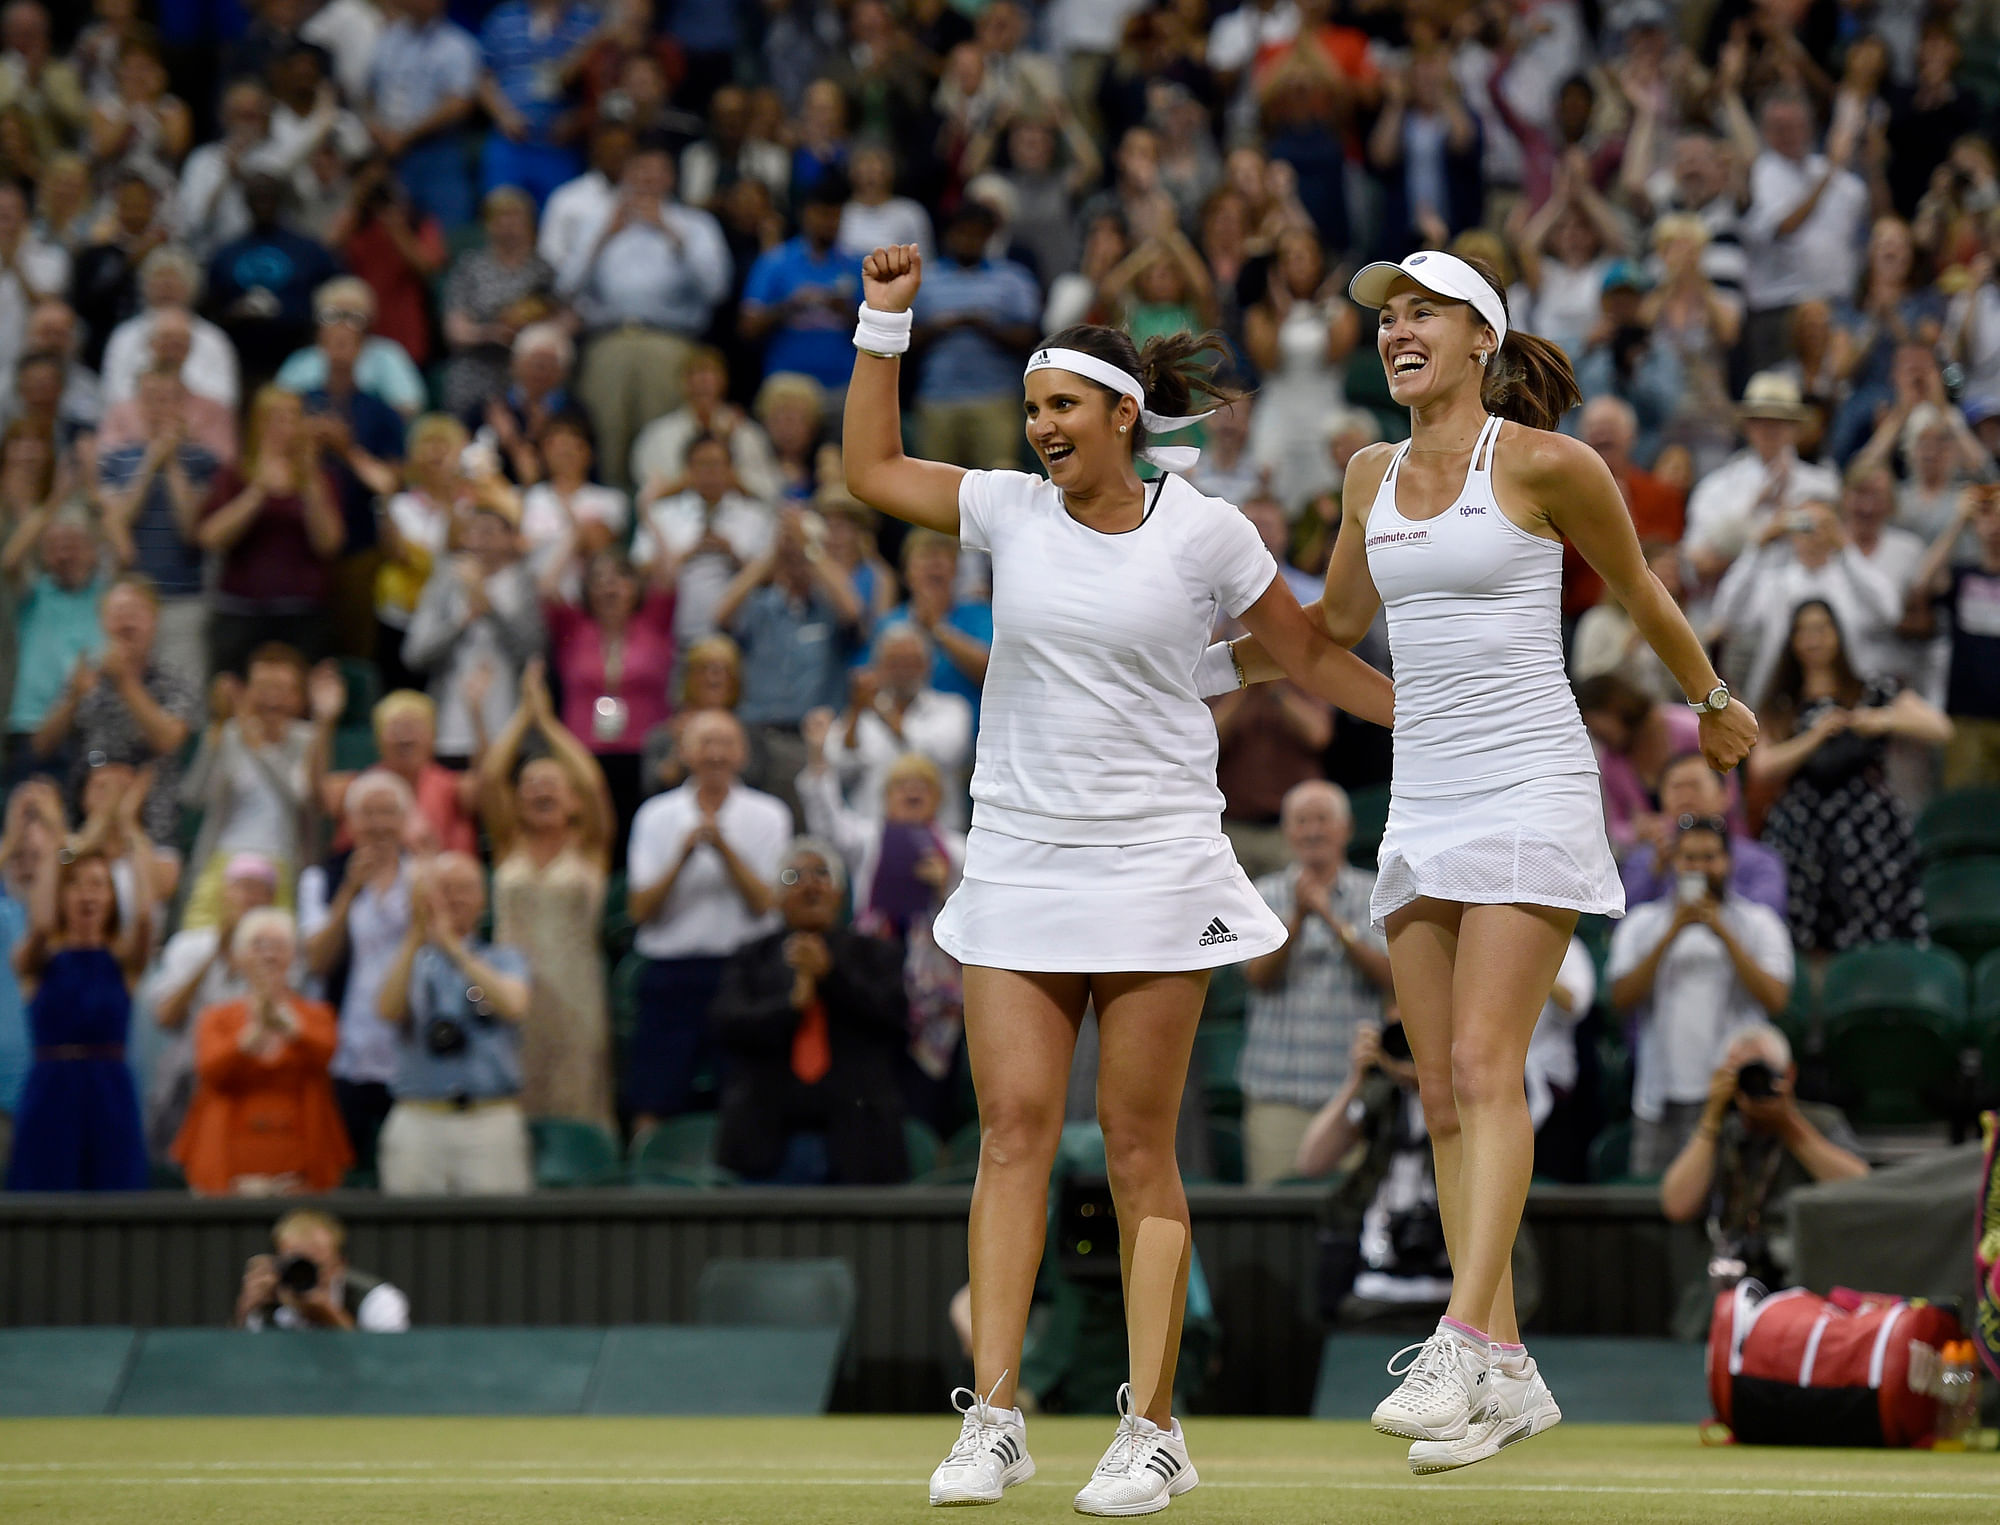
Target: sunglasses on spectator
1714,823
346,316
817,872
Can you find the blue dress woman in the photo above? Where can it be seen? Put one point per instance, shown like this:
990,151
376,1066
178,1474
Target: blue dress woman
78,1127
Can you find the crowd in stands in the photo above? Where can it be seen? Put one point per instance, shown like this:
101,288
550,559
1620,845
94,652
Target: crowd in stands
448,687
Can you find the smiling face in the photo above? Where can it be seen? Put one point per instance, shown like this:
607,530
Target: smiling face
87,900
1073,427
909,798
808,897
1815,639
130,618
275,690
1427,343
377,816
544,799
267,957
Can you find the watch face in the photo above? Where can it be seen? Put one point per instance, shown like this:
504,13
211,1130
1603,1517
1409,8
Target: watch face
1718,698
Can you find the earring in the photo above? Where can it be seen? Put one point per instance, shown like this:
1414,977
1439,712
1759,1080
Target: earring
1121,428
1480,357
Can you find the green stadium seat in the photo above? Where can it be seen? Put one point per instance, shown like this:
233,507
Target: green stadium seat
1962,900
570,1152
1614,1074
1984,1028
1218,1044
684,1141
1962,824
962,1147
364,689
785,1294
1371,817
1610,1158
1798,1021
354,748
921,1144
166,1176
1225,1147
615,929
1895,1025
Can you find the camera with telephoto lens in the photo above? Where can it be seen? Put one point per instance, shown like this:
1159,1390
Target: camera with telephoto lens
1757,1080
298,1274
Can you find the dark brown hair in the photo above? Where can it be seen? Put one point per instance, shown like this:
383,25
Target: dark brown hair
1170,367
1786,695
1530,380
1613,694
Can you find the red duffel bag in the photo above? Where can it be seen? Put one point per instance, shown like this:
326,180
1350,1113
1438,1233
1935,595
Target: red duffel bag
1854,1369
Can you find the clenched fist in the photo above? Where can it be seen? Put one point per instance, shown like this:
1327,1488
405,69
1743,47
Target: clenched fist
890,277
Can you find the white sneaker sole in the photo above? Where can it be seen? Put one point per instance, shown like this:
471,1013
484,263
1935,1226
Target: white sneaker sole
1020,1472
1427,1457
1181,1484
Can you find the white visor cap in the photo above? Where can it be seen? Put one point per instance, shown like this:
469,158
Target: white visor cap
1434,270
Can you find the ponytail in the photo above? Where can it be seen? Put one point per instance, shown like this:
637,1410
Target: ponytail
1529,380
1173,368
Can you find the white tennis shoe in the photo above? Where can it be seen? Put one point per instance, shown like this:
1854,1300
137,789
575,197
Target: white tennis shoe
1146,1468
1444,1388
990,1455
1520,1408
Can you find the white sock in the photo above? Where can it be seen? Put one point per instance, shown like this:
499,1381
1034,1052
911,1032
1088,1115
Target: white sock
1513,1362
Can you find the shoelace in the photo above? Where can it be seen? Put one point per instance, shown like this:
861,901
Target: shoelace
1434,1365
979,1419
1129,1447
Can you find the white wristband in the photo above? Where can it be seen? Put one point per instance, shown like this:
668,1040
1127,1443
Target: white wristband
882,333
1216,672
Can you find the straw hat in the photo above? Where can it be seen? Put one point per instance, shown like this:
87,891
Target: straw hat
1773,394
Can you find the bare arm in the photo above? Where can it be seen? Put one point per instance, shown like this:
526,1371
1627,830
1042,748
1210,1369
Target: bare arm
394,1001
1350,601
1583,503
878,472
230,523
1824,1160
1314,661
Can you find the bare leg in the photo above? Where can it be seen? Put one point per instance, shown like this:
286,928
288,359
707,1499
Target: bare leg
1020,1030
1146,1026
1423,947
1507,963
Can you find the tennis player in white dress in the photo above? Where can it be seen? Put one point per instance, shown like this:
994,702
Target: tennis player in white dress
1096,871
1495,841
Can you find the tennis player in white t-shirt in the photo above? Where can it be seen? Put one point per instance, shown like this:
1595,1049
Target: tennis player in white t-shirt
1096,870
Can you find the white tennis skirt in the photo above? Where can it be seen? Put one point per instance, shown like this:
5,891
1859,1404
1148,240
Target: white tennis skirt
1155,907
1539,842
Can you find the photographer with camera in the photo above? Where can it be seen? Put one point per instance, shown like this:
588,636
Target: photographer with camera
456,1128
1755,1143
1689,972
308,1283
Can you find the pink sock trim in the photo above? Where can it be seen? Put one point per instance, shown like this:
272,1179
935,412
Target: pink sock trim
1465,1329
1509,1350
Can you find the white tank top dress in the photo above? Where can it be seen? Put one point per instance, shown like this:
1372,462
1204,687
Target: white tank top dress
1494,799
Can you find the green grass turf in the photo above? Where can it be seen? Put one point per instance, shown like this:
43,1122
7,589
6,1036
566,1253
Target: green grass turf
1281,1471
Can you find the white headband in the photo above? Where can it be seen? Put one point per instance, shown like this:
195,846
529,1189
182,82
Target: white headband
1104,373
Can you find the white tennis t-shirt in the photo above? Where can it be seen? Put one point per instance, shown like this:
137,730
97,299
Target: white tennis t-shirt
1091,731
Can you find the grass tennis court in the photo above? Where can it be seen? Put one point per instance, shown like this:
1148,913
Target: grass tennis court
558,1471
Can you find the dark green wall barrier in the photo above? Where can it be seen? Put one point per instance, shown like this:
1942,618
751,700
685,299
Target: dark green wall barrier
624,1257
426,1371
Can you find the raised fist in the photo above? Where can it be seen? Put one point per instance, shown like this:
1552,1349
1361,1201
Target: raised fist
890,277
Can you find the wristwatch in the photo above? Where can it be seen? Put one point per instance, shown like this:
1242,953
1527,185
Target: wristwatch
1716,699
